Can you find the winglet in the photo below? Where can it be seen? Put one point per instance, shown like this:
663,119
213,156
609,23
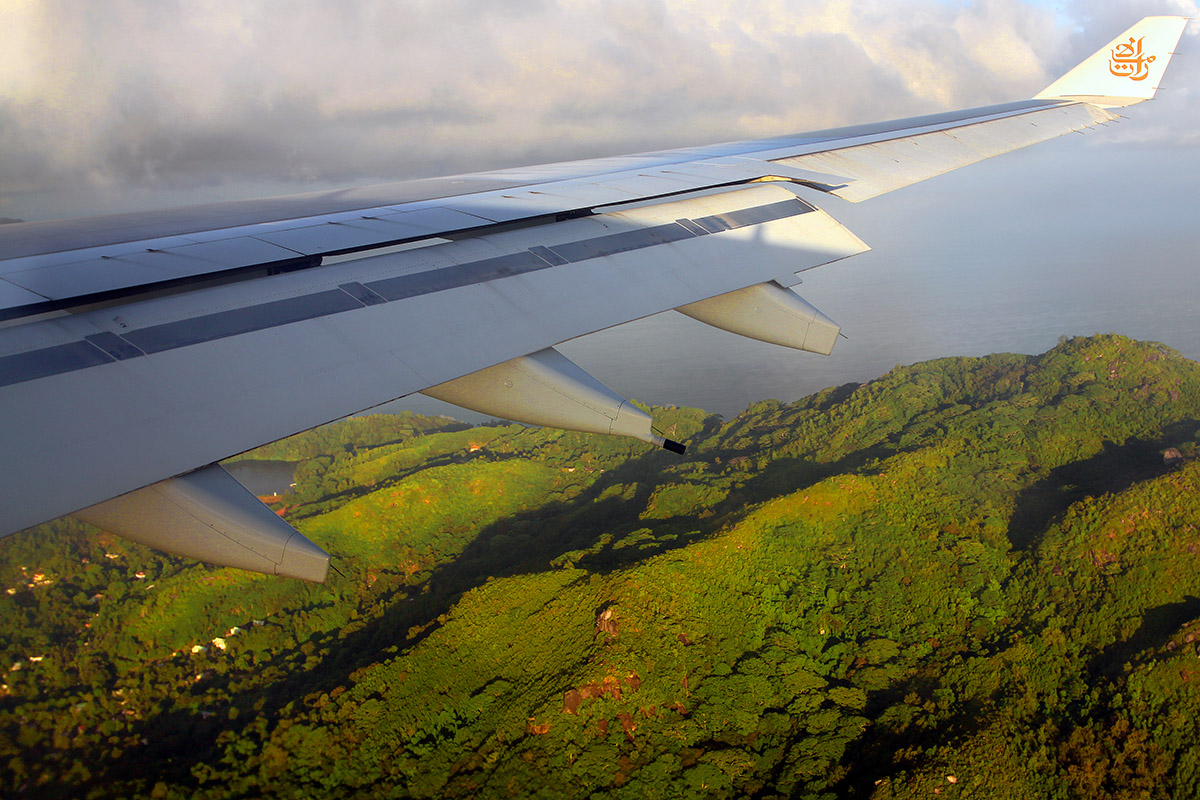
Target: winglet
1125,71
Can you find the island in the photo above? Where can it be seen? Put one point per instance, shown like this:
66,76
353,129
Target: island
970,577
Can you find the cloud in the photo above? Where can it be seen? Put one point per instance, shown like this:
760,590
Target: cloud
109,104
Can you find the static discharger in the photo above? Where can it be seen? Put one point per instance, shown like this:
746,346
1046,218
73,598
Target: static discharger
548,389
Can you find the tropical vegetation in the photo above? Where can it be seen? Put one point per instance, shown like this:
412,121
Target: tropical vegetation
972,577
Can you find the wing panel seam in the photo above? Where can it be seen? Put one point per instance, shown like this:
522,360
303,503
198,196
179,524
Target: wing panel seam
109,347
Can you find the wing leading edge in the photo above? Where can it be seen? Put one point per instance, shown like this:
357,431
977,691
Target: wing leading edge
165,342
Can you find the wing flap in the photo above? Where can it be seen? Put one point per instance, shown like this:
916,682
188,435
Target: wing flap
147,266
225,369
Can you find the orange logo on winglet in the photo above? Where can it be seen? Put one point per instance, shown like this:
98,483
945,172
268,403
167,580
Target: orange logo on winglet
1128,62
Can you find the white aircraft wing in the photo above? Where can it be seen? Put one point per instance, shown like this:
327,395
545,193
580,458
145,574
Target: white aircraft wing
138,350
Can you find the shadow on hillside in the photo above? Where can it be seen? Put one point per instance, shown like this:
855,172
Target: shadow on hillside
1114,469
533,541
1158,625
887,750
884,751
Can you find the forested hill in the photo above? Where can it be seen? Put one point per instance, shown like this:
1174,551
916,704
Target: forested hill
975,577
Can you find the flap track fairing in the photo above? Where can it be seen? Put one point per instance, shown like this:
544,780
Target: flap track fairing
209,516
770,313
548,389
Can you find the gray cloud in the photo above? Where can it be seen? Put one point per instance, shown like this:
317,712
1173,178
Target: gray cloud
111,104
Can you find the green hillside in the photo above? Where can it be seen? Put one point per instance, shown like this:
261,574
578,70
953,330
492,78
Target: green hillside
975,577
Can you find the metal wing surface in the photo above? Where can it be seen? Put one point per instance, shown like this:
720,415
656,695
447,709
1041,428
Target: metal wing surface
141,347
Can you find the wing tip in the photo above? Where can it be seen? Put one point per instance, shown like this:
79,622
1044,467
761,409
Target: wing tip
1127,70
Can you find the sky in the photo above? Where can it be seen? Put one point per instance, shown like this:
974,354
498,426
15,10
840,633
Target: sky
117,105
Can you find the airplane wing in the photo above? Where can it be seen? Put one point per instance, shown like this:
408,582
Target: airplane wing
138,350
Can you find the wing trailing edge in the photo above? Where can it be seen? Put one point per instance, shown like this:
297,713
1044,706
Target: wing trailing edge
877,167
172,384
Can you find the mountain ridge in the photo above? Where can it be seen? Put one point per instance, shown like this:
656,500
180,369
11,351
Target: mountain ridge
880,582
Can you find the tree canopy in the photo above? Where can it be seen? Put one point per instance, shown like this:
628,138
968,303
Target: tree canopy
972,575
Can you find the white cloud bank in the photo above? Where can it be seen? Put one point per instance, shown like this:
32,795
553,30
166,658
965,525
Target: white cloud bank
108,104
